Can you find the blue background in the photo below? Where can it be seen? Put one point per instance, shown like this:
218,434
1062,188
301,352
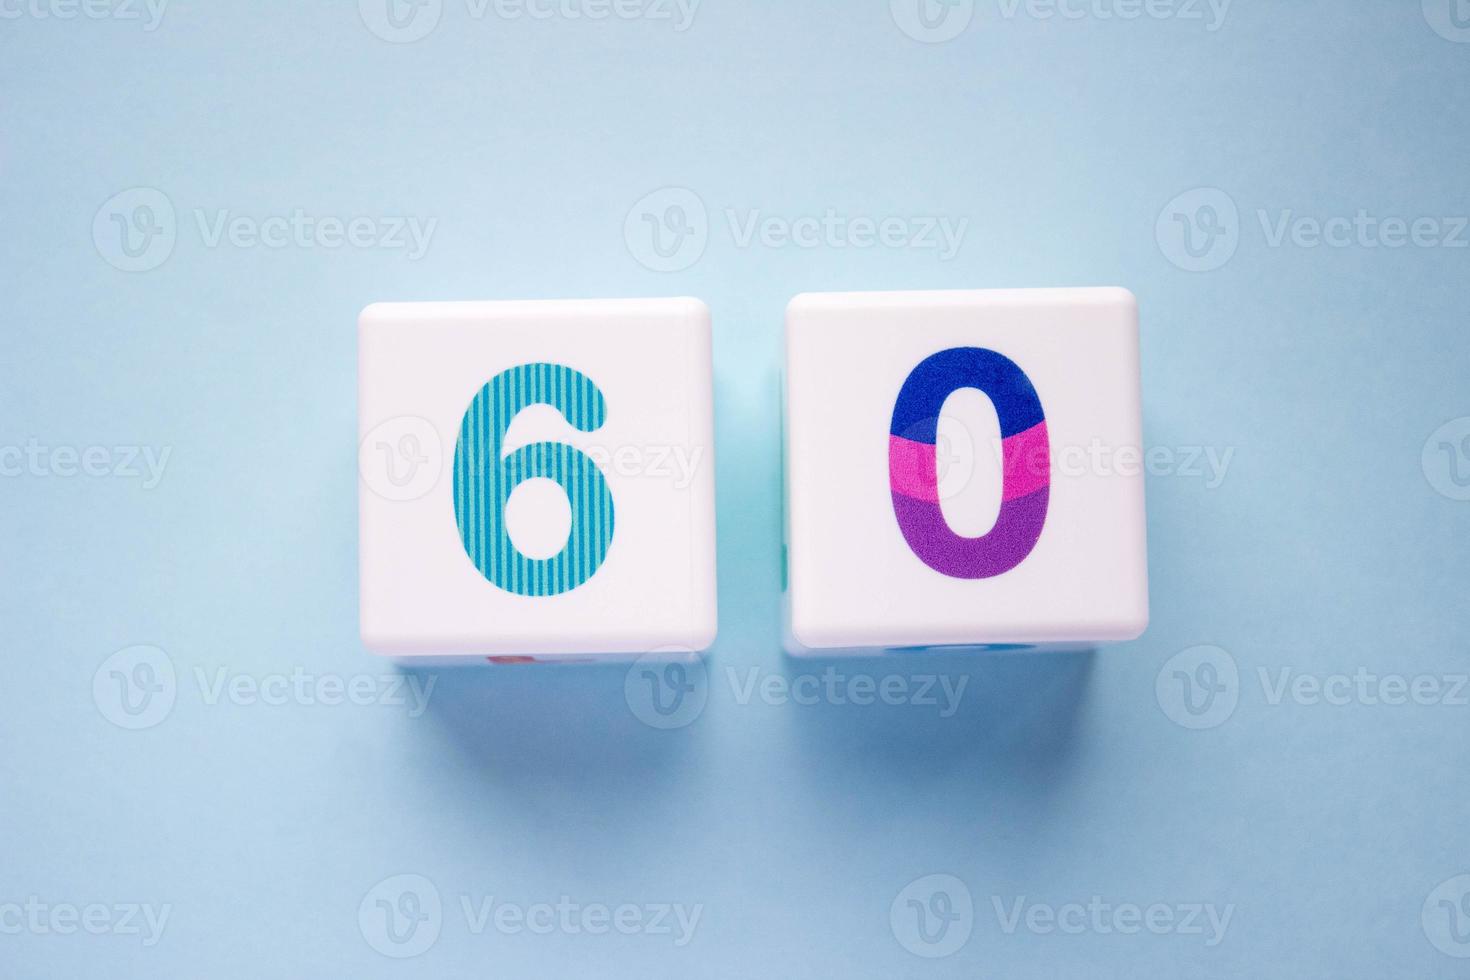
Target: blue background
1325,549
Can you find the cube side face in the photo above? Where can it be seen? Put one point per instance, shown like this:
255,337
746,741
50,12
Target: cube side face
536,479
878,551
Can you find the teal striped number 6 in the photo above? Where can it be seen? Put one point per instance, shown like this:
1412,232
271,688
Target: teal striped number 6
483,480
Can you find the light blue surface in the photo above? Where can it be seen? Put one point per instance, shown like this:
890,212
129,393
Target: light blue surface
1331,834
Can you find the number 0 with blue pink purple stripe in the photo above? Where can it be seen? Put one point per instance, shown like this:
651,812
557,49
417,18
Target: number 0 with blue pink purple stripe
913,470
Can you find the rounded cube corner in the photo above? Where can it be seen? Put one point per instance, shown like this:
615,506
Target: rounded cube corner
374,315
805,304
1122,298
377,643
1135,626
692,308
803,638
704,636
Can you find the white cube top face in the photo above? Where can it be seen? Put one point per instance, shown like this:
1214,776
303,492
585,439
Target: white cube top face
536,479
964,469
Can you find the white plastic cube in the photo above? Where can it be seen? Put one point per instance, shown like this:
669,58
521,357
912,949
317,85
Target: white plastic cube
963,469
537,480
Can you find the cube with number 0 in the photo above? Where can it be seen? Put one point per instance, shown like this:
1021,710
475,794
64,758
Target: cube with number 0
537,480
963,469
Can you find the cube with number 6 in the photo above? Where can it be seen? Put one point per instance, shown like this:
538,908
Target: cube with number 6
963,469
537,480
